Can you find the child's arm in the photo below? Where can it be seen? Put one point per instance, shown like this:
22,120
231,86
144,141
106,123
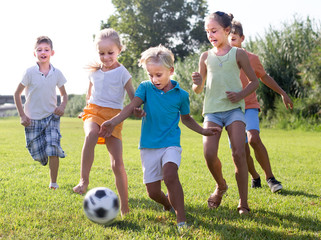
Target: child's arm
130,89
200,76
244,63
24,120
107,127
271,83
88,92
138,112
189,122
60,110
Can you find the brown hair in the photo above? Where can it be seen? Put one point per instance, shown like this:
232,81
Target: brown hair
224,19
44,39
237,28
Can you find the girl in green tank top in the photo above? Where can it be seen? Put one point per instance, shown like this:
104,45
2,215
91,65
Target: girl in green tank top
219,69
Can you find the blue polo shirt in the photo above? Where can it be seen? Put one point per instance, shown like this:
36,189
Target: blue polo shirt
160,125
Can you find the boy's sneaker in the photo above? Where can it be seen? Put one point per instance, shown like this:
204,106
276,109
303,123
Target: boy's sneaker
182,227
274,184
53,186
256,183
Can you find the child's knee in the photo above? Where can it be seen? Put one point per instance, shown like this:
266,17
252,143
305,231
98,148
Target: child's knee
118,167
171,178
238,155
210,155
92,137
153,193
254,138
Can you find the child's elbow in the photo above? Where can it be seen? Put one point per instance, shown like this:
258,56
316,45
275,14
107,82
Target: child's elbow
256,83
196,89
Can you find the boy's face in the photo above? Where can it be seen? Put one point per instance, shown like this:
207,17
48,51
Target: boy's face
160,75
43,52
235,40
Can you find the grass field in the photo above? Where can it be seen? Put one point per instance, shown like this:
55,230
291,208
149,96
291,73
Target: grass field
29,210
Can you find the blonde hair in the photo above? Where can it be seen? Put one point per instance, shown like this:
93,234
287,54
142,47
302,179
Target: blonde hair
106,33
159,54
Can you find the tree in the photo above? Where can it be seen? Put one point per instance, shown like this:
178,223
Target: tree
176,24
282,52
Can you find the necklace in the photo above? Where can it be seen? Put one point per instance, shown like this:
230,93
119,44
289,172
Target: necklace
221,62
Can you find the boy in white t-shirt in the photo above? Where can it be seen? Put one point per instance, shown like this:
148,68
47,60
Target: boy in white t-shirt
41,115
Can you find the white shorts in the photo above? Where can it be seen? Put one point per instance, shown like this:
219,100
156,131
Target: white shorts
154,159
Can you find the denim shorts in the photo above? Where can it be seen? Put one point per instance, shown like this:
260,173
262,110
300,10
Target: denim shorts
252,119
225,118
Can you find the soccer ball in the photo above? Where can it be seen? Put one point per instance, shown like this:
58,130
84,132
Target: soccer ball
101,205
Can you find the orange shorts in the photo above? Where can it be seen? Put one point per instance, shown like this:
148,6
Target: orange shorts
97,114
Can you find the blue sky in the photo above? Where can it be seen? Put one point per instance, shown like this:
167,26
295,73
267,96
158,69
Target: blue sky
72,23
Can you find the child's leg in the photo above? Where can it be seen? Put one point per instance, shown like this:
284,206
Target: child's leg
154,191
53,168
87,155
250,162
236,132
210,147
114,146
260,151
175,190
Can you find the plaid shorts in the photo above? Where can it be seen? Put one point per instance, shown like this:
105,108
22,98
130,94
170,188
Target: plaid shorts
43,139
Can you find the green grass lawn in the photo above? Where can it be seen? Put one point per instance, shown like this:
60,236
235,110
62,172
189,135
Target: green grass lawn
29,210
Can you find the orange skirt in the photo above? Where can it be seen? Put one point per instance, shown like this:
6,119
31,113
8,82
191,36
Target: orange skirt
97,114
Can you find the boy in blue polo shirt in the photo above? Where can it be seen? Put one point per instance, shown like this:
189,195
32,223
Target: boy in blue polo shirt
164,104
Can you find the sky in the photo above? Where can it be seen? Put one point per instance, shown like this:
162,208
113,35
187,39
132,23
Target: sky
71,25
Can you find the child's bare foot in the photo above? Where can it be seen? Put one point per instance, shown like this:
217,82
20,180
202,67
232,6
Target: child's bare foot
124,212
81,188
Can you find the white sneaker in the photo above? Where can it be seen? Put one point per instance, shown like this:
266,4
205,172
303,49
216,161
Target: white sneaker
53,186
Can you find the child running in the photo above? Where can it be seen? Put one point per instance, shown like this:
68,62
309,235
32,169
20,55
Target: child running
108,82
40,115
252,108
220,68
164,104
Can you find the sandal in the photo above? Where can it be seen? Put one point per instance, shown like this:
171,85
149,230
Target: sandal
215,199
243,210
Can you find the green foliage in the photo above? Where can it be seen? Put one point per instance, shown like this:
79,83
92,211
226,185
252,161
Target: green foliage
29,210
183,75
298,118
282,52
177,24
310,73
75,105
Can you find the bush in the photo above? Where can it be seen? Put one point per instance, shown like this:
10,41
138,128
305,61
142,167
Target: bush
75,105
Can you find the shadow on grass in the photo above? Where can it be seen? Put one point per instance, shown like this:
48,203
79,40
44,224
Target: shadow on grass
262,218
285,192
224,222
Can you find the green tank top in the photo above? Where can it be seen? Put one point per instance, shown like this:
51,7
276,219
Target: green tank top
223,74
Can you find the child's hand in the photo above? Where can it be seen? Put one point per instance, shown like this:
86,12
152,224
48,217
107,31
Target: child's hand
139,113
211,131
25,121
60,110
234,97
106,129
80,115
287,101
197,78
